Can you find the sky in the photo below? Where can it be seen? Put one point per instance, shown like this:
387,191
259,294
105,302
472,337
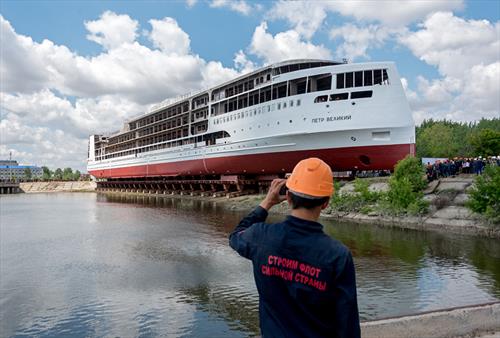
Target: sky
69,69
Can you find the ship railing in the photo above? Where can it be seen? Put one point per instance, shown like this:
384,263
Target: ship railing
176,99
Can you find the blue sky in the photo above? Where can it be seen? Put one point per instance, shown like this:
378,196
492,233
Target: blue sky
71,68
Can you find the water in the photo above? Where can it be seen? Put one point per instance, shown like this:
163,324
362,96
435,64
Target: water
93,265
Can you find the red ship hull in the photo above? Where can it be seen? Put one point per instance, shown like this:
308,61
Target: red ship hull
363,158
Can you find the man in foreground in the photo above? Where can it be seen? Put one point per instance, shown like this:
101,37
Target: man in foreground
305,279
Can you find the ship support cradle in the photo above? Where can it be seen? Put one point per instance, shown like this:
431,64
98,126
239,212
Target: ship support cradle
226,185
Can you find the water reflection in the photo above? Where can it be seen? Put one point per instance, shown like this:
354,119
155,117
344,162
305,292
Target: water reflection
96,265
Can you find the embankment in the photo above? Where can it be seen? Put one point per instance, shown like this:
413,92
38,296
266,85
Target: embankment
471,321
447,211
58,186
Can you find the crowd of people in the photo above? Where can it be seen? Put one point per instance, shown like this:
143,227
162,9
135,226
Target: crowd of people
459,165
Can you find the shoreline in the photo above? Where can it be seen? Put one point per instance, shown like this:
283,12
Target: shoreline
482,320
57,186
453,218
246,203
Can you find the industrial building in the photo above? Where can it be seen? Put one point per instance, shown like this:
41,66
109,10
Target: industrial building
11,170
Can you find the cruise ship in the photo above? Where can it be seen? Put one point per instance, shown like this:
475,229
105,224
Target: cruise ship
354,116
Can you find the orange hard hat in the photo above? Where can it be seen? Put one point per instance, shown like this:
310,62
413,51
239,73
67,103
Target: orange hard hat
311,177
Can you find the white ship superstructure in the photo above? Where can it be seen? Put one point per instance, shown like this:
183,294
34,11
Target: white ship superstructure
350,115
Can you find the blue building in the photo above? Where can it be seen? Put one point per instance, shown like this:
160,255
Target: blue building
10,170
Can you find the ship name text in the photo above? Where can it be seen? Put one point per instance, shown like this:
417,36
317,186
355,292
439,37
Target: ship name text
330,118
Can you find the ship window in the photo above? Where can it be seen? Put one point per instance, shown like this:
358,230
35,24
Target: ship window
282,91
279,106
339,96
377,76
368,78
385,78
298,103
362,94
268,77
340,81
348,80
322,98
324,83
291,103
358,79
284,105
301,87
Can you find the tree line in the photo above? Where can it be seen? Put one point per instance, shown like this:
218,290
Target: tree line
66,174
458,139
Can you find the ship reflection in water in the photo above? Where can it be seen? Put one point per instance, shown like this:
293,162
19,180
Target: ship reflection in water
93,265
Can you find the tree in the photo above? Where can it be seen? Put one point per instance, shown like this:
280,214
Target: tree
449,139
58,174
28,174
436,141
47,174
67,174
486,142
76,175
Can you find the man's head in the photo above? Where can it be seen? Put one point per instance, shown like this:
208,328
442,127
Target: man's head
310,185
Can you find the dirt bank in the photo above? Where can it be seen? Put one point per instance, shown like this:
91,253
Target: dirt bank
70,186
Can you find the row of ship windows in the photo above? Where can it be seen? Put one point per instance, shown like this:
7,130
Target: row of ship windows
344,96
209,139
362,78
211,150
260,110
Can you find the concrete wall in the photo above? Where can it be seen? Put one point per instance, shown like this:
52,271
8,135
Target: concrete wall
458,322
32,187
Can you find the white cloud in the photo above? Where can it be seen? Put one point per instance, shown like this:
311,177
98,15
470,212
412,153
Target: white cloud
22,156
20,68
393,12
41,146
239,6
215,73
169,37
306,17
104,90
120,70
283,46
191,3
242,63
112,30
454,44
52,127
357,40
467,55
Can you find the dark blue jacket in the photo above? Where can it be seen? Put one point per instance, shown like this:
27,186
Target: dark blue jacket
305,279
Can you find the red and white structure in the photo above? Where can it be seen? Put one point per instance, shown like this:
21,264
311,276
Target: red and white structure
349,115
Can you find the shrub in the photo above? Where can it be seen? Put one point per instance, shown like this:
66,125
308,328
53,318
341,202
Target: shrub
410,167
361,186
484,197
352,202
405,187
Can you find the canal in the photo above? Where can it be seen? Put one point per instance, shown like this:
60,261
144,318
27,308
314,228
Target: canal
83,264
